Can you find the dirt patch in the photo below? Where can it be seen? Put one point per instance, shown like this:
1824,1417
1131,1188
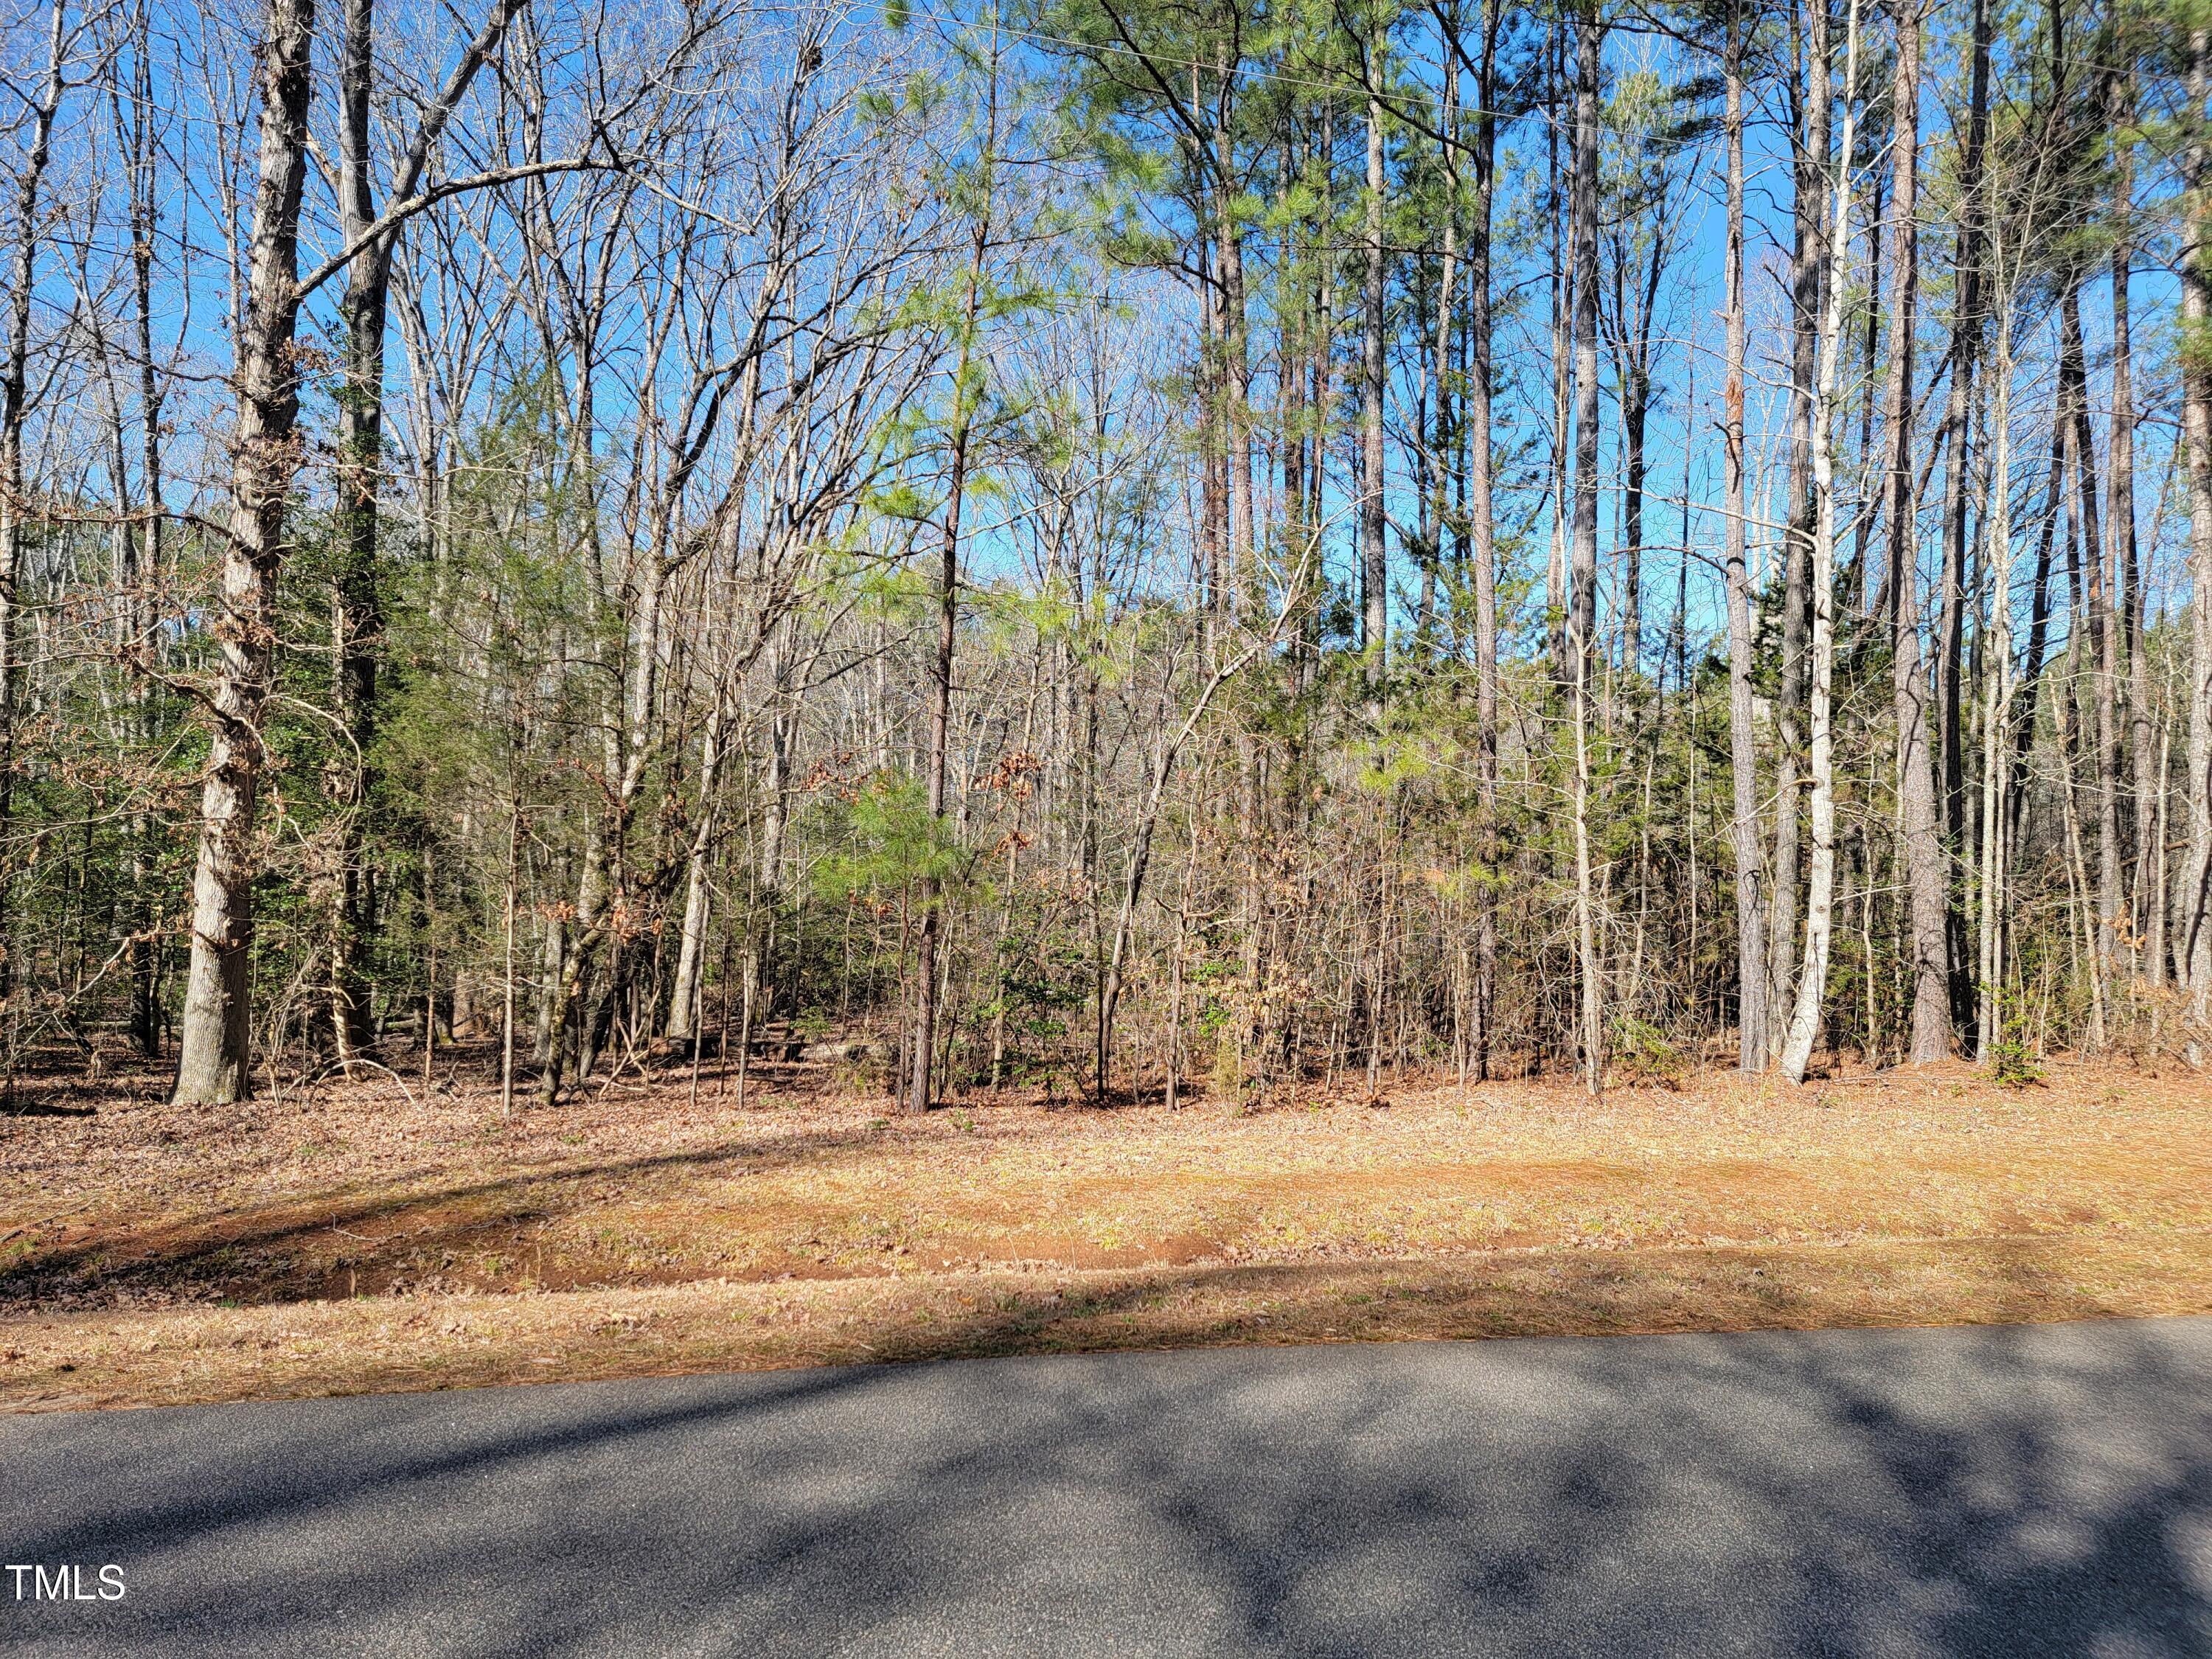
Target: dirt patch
156,1236
192,1355
1066,1250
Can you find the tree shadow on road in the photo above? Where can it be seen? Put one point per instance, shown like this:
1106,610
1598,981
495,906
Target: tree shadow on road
2043,1490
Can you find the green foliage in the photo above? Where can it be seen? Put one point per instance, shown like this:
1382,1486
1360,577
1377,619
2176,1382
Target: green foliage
2014,1063
881,839
1641,1051
1043,979
2014,1060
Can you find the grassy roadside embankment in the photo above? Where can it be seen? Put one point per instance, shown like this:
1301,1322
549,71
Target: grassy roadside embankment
359,1240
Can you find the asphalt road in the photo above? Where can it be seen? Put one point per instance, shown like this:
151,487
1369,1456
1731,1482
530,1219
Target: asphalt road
2043,1490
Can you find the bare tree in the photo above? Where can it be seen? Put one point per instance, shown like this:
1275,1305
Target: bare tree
216,1037
1927,869
1819,899
1581,611
1753,1040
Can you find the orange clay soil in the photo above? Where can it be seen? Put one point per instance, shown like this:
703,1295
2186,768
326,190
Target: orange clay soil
368,1238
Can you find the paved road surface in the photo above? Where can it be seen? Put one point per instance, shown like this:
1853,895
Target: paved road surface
2001,1491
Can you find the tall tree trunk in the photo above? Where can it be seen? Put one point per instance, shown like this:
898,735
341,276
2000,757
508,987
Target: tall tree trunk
14,397
1320,394
1927,873
1581,620
1481,536
1236,361
1997,706
1635,418
357,611
1967,329
215,1042
1374,565
1556,602
930,888
2196,262
142,147
1301,489
2120,541
2022,735
1753,1018
1808,263
1213,531
1439,495
2104,644
1820,875
691,951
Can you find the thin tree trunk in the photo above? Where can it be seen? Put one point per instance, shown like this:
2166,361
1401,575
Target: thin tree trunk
1581,622
1807,287
506,988
1375,582
2120,504
1967,329
930,888
2086,552
2195,951
1820,883
357,611
1164,758
1996,713
1927,873
1754,1019
682,1025
1482,544
1237,361
13,393
142,147
1439,495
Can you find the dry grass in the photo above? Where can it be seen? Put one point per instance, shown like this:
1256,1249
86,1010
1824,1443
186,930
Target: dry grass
360,1239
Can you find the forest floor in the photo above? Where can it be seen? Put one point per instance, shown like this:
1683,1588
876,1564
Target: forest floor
377,1236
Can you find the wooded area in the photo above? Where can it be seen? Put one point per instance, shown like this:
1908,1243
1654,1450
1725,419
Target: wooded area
1136,549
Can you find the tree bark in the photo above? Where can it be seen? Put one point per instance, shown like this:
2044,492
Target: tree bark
1438,496
142,147
2195,952
2120,541
1997,707
14,399
1820,875
1968,326
2103,646
1581,619
930,888
1807,262
1481,538
1752,979
215,1041
357,612
1927,873
1373,564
